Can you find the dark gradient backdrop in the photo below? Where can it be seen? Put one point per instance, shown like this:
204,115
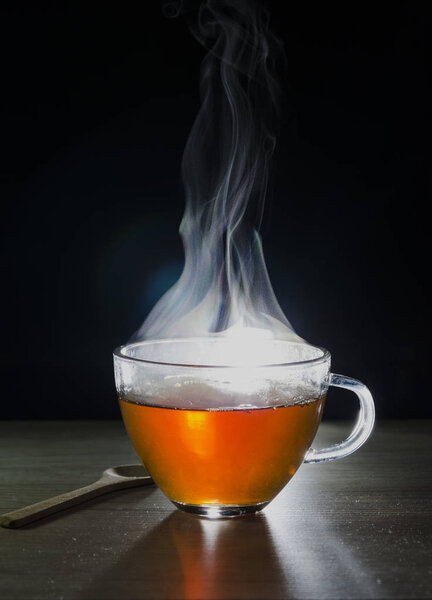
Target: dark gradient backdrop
97,101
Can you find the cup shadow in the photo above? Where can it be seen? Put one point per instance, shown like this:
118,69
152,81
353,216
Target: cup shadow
193,558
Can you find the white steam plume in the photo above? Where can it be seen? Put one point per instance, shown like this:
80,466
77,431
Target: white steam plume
224,288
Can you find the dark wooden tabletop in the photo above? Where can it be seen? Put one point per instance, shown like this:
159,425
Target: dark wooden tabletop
358,528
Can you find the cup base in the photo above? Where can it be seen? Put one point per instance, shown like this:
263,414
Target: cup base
221,511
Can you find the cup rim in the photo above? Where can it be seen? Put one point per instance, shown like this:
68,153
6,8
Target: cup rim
118,352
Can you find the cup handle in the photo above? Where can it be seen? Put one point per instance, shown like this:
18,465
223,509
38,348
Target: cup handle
362,429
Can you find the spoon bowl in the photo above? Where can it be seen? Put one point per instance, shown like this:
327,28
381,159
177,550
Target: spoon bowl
126,471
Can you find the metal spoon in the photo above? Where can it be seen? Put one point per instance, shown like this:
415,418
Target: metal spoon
115,478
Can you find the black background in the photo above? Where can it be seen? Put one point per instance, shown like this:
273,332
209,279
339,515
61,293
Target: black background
97,103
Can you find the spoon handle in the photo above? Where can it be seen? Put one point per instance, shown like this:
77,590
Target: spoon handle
33,512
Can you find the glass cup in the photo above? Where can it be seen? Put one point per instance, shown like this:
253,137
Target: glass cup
222,425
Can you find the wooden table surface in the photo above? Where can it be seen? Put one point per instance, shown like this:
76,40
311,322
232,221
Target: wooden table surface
354,528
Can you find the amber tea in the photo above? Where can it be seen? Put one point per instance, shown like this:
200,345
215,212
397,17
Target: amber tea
222,456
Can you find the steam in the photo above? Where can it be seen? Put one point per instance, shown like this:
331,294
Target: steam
224,288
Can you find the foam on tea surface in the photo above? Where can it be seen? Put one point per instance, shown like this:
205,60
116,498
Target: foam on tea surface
194,394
